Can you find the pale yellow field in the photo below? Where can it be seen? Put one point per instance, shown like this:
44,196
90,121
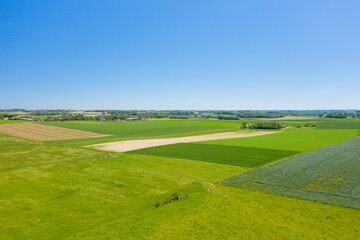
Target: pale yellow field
39,132
125,146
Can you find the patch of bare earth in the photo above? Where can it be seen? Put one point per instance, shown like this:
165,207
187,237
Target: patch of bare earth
124,146
40,132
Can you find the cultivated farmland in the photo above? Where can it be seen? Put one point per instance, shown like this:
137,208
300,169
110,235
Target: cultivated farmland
300,140
64,191
41,132
51,191
323,123
120,131
124,146
329,175
232,155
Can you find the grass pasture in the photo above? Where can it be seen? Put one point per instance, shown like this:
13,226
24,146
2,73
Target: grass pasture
62,191
49,191
233,155
12,121
300,140
323,123
340,124
329,175
216,123
17,153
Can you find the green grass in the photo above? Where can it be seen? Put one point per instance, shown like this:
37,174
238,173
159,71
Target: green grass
340,124
323,123
300,140
50,191
134,130
239,156
217,123
330,175
326,123
12,121
17,153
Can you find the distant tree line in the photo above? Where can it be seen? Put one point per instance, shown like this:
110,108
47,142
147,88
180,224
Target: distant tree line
179,117
87,115
81,117
228,117
265,125
48,112
5,115
237,116
13,110
260,115
309,124
343,115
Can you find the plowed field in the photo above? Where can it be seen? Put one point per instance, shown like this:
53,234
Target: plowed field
40,132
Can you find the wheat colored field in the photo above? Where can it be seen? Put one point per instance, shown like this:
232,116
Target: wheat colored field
125,146
39,132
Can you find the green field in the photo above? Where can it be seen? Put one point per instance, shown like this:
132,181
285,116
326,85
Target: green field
327,123
233,155
217,123
323,123
329,175
64,192
340,124
134,130
300,140
11,121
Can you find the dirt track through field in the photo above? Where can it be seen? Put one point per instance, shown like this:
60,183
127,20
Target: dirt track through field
40,132
125,146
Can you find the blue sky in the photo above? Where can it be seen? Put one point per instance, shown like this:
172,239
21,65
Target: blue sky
198,54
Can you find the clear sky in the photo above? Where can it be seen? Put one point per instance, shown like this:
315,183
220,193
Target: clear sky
194,54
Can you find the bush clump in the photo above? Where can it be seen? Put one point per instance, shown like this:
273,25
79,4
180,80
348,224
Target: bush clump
266,125
174,197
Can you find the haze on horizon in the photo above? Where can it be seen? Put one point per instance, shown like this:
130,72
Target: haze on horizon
180,55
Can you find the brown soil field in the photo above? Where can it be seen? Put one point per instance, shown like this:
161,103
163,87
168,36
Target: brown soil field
124,146
39,132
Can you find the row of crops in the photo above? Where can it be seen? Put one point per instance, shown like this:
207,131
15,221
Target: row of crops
232,155
329,175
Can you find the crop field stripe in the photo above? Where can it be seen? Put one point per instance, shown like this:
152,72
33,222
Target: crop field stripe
126,146
41,132
302,140
12,121
32,129
231,124
134,130
231,155
328,175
